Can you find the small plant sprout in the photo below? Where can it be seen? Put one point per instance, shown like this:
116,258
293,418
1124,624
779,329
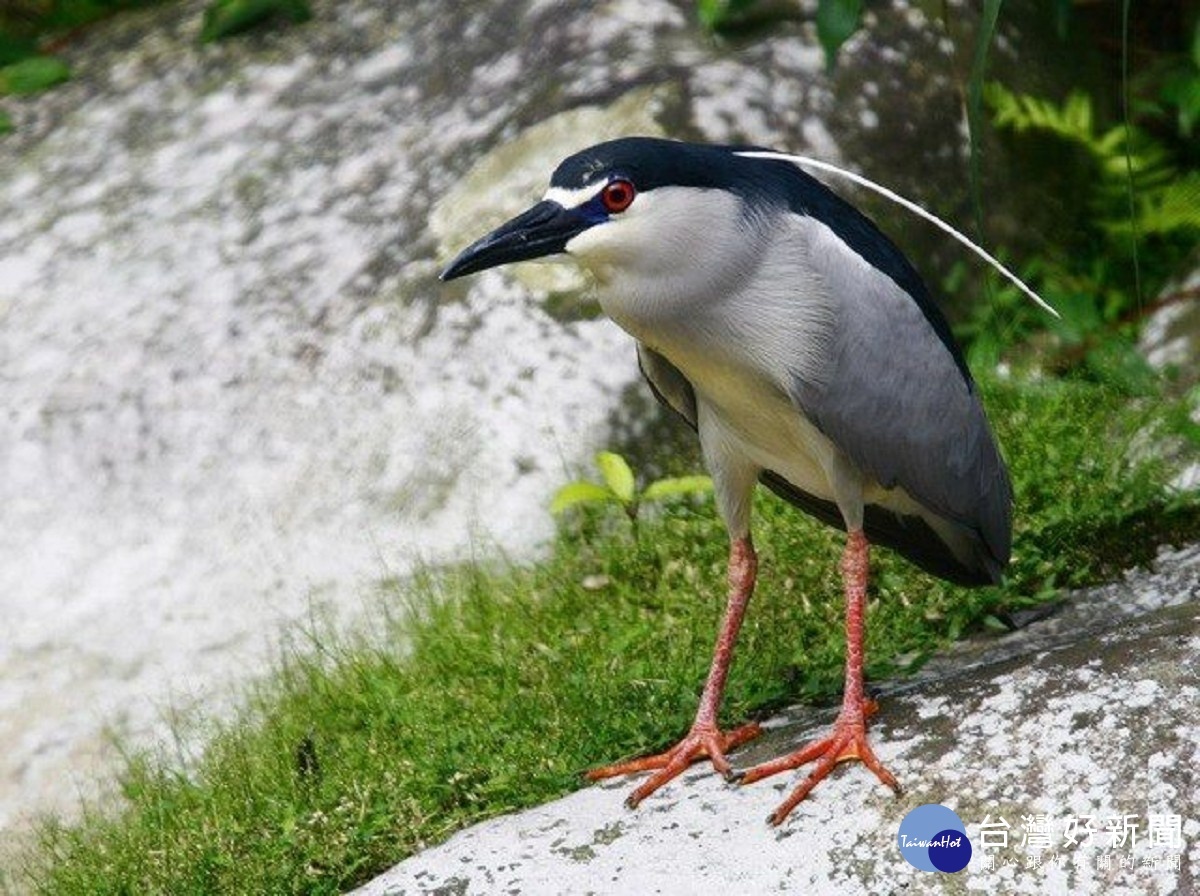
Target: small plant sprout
620,488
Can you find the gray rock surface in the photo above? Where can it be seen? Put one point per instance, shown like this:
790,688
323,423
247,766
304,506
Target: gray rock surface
1170,341
1092,712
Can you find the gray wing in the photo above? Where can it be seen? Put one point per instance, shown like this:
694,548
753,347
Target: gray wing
911,536
895,399
670,386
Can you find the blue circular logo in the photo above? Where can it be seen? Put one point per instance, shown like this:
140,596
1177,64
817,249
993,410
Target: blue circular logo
933,838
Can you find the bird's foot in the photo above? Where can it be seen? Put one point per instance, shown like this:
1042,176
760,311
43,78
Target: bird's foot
702,741
848,741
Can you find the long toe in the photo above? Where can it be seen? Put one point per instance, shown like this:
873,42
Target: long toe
700,742
786,763
848,742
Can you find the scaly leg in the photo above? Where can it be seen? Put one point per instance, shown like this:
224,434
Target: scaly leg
704,739
849,738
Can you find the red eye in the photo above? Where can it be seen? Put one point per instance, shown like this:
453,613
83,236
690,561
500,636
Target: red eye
618,195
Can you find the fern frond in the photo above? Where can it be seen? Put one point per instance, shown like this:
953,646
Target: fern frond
1164,202
1073,120
1148,161
1171,208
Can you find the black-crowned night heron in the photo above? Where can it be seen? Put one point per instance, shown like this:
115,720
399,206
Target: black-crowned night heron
804,349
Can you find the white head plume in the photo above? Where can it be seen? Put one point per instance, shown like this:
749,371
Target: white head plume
818,165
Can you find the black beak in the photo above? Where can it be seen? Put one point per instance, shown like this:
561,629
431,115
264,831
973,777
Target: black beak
542,230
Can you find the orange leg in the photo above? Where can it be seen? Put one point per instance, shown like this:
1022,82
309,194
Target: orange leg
704,739
849,738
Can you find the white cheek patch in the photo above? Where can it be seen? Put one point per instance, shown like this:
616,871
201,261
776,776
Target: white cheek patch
571,198
666,234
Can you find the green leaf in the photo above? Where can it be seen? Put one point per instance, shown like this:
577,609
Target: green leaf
711,12
223,18
14,48
836,21
6,125
33,74
617,475
1182,90
681,485
574,493
717,14
996,624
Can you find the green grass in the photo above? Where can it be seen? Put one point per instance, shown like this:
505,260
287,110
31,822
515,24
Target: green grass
489,689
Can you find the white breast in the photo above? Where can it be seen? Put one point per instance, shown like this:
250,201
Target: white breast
735,307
